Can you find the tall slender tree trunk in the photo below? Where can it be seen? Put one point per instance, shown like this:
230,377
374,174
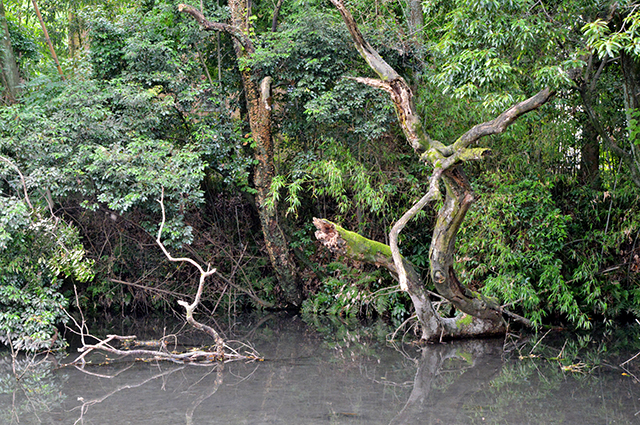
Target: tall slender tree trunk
75,34
415,16
589,173
631,86
10,75
631,91
47,38
257,91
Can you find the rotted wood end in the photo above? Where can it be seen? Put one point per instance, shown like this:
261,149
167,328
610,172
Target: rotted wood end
328,236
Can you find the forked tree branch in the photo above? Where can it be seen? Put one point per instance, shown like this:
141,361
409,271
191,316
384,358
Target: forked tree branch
442,158
218,26
203,276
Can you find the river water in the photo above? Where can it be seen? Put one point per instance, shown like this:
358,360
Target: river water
329,374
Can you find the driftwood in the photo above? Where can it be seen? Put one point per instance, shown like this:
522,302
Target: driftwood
127,345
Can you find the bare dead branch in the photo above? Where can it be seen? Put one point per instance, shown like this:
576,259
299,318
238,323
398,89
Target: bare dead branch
147,288
433,193
203,276
373,58
222,352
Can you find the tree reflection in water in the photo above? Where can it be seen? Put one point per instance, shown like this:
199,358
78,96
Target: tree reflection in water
339,376
29,389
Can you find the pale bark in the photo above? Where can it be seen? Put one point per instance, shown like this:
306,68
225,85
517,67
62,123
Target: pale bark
259,113
10,75
434,327
446,161
204,274
415,17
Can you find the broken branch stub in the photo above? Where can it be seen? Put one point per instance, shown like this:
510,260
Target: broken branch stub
446,162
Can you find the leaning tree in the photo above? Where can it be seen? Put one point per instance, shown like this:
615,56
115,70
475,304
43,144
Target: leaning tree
481,315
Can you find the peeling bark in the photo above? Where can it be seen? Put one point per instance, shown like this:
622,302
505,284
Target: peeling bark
258,100
434,327
446,161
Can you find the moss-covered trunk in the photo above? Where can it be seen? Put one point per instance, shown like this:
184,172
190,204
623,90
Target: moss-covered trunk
459,198
485,315
434,328
257,93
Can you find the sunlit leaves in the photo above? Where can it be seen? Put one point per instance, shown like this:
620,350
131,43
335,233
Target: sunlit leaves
607,43
491,47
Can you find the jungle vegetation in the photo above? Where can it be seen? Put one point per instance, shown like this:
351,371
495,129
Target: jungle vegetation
255,117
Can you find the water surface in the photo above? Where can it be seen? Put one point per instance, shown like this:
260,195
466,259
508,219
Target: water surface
337,376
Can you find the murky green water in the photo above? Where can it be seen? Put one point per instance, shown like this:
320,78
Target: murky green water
337,377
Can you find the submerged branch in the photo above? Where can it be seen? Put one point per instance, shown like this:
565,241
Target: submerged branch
221,353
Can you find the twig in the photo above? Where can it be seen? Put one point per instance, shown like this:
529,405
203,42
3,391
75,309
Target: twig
22,180
539,341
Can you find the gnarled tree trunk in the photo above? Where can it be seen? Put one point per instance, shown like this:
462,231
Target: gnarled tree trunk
434,328
446,161
258,95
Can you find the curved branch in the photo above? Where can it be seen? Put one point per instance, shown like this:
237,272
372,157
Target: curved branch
217,26
434,327
504,120
22,180
373,58
203,276
433,193
445,160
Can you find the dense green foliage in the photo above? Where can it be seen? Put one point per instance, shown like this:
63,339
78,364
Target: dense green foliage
150,103
37,253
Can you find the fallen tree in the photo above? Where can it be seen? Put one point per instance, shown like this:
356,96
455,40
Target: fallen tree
481,315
